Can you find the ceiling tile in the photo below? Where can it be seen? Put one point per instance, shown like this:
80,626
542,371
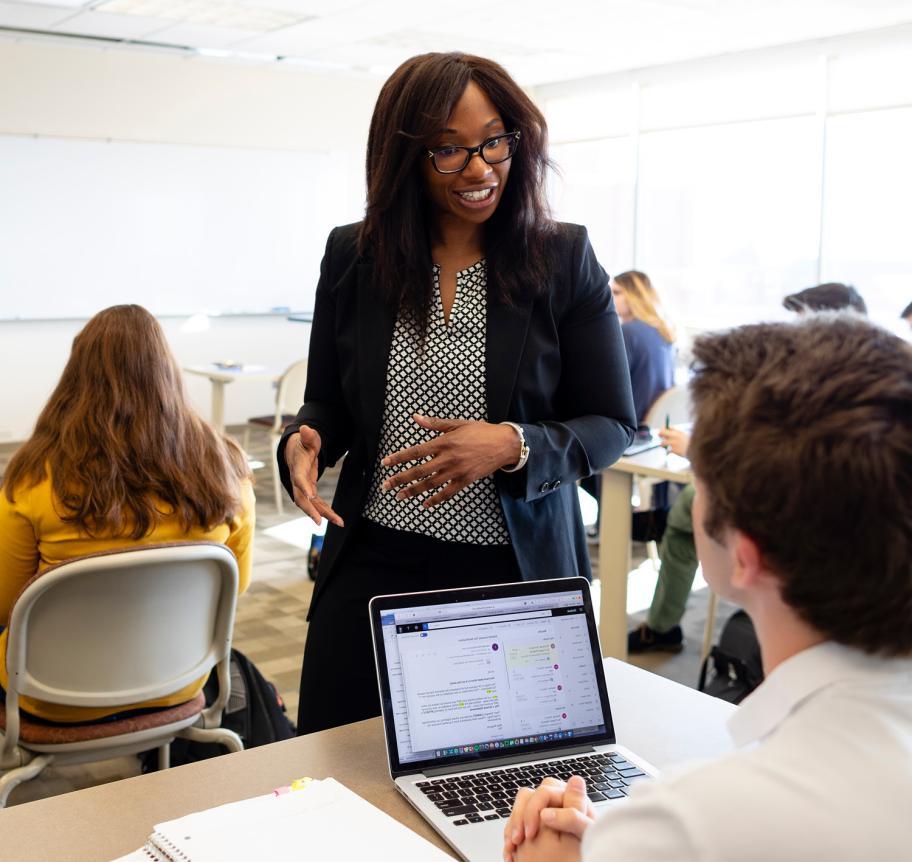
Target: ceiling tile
109,25
537,43
343,29
63,4
306,7
200,35
31,16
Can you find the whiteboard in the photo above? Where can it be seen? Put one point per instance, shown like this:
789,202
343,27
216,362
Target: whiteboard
180,229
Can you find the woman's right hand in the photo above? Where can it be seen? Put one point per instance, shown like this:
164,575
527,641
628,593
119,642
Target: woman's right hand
301,453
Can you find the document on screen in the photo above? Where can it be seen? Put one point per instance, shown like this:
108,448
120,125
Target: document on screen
455,686
467,682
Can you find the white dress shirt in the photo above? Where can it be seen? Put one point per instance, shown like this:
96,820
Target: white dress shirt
823,772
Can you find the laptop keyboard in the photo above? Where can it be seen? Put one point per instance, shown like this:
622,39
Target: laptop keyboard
476,797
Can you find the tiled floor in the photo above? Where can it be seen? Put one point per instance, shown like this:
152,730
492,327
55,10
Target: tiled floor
271,626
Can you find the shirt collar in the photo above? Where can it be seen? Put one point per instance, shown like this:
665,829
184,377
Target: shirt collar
799,678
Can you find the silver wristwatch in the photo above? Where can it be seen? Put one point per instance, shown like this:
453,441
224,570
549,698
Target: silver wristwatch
523,449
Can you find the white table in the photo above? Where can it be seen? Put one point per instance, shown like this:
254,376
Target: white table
614,537
219,377
662,721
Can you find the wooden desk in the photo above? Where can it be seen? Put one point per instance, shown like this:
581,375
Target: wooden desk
614,537
219,377
663,721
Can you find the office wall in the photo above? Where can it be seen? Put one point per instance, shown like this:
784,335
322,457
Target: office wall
33,353
84,92
49,88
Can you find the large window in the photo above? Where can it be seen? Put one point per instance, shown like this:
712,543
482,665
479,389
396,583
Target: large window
735,181
727,221
867,226
594,185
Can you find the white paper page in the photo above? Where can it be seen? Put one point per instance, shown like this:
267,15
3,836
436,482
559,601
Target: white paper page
324,820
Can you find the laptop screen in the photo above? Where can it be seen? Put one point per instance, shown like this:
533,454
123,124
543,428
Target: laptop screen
485,672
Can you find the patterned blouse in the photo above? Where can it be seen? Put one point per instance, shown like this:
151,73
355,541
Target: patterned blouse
446,379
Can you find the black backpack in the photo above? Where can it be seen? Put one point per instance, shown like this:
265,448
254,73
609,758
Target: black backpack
254,711
733,668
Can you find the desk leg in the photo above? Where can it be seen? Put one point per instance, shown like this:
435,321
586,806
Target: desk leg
614,561
218,405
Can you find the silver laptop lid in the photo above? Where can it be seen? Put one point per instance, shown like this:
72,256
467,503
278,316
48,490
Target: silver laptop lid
472,675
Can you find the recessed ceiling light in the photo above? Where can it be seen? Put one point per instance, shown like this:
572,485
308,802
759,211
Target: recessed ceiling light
217,13
256,55
313,63
219,53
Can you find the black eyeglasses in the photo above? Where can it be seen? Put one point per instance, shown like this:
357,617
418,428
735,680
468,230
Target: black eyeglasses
452,160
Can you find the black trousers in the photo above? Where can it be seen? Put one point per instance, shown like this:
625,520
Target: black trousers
338,677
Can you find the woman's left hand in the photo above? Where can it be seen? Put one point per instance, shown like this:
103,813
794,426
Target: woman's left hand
462,452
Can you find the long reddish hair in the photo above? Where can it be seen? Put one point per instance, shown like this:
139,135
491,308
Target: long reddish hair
121,443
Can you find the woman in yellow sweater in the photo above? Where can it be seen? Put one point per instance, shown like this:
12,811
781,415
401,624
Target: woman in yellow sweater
118,459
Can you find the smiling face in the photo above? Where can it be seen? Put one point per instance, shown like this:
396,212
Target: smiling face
473,194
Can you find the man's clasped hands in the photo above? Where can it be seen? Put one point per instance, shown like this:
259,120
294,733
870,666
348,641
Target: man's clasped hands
548,823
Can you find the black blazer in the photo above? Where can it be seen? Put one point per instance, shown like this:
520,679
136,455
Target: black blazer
555,364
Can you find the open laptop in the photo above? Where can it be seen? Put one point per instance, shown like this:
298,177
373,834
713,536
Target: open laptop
488,689
643,441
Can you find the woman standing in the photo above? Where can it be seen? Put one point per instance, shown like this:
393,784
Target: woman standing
466,356
118,460
648,338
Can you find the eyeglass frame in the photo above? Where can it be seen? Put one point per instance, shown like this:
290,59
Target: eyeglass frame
471,151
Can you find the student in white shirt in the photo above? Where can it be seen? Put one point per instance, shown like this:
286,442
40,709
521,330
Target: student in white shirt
802,452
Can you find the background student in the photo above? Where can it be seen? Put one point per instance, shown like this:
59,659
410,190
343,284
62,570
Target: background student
832,296
648,338
802,452
677,554
466,355
677,567
118,459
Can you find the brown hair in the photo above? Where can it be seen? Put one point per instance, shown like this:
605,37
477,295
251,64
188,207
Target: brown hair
120,441
412,108
832,296
644,302
803,441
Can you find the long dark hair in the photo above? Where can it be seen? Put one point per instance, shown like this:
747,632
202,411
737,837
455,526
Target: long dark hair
120,440
412,108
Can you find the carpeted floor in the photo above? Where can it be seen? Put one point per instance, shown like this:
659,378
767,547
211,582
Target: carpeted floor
271,625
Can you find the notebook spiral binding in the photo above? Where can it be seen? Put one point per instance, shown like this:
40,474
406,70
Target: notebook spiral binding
158,847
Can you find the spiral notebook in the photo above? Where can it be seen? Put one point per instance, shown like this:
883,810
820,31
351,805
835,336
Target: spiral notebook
325,820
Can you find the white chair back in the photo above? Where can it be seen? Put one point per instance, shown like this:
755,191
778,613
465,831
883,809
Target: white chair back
125,627
112,630
673,404
290,392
